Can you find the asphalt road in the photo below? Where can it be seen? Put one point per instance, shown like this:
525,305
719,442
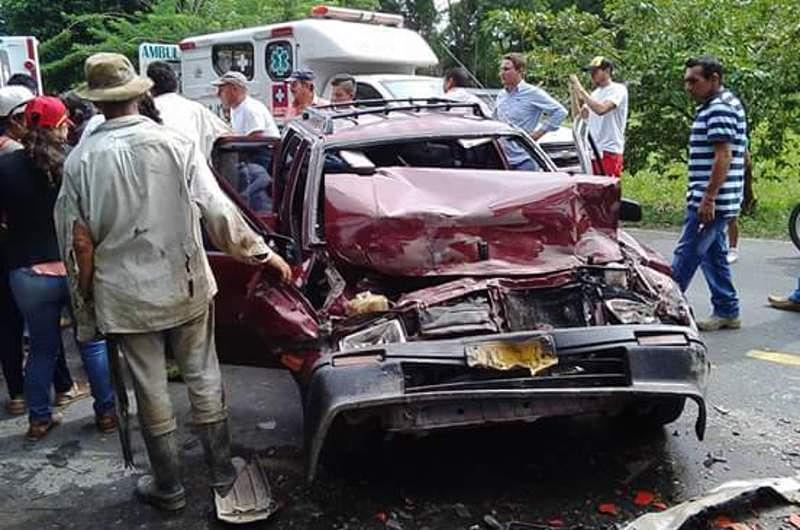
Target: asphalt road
558,469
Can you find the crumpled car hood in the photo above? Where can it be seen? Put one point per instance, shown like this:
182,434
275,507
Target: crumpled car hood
433,222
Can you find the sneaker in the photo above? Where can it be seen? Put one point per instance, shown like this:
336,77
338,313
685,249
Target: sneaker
16,406
715,323
77,392
783,302
733,255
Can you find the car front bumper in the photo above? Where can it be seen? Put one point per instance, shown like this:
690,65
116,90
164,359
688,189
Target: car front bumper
602,369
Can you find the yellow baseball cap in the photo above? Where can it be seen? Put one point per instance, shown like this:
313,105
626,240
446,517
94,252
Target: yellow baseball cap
598,62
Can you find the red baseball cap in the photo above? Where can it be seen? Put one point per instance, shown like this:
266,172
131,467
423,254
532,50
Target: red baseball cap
45,111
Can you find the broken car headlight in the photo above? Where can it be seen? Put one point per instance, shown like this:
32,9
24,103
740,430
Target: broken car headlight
384,333
631,311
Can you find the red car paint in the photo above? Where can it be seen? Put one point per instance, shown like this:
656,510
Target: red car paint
433,222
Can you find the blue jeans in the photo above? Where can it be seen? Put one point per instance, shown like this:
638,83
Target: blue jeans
795,296
525,165
706,246
40,300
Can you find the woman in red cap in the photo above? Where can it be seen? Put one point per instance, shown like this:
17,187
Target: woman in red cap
30,179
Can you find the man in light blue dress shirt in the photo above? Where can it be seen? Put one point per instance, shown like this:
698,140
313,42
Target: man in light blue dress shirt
524,105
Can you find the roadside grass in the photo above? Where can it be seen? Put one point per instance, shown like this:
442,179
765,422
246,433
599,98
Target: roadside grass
662,196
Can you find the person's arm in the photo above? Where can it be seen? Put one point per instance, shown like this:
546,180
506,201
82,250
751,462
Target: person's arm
226,227
597,106
721,131
554,110
719,173
77,253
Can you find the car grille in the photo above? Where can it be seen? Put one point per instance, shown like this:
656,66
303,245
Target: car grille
596,368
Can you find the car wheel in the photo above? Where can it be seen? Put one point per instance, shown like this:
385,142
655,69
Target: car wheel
794,226
654,413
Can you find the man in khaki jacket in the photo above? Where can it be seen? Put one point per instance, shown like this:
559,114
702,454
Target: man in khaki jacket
128,218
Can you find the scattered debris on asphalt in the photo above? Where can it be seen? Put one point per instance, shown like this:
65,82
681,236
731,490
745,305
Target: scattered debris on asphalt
714,458
267,425
608,509
644,498
250,499
722,410
786,489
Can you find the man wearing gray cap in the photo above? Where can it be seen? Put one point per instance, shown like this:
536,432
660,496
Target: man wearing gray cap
128,220
248,115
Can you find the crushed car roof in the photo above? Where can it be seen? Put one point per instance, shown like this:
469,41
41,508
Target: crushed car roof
403,124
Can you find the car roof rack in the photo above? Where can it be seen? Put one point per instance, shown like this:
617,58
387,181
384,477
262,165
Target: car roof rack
352,110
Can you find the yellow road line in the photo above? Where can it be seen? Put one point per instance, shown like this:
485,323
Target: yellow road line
775,357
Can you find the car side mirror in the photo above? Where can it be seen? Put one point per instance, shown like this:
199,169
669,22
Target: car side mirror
630,211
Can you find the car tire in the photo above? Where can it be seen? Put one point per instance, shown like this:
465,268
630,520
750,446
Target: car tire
654,413
794,226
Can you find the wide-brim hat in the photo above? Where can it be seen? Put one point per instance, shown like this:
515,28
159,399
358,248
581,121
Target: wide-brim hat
111,77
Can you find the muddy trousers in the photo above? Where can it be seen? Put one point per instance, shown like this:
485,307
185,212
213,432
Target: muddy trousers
193,346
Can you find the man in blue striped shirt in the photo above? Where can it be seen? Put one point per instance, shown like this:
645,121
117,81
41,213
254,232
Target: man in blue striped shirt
717,146
524,105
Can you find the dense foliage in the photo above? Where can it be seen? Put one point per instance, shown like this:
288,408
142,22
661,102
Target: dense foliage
648,39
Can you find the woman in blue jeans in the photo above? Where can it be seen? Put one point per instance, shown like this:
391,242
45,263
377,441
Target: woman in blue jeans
29,183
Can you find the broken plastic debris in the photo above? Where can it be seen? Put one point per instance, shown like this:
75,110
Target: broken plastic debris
249,500
382,517
660,506
714,458
644,498
722,410
608,509
267,425
675,518
794,520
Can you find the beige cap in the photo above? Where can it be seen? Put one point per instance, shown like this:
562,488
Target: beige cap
231,77
111,77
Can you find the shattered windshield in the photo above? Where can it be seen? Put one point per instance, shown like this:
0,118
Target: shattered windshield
467,153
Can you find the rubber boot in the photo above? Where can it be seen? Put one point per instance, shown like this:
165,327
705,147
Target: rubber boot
216,440
163,488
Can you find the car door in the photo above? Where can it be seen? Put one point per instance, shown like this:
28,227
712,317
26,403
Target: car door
254,315
583,145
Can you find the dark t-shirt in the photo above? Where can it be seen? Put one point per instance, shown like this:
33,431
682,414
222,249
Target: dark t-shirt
26,202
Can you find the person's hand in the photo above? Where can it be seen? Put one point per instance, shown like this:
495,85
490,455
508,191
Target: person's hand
706,211
536,135
277,265
576,85
585,112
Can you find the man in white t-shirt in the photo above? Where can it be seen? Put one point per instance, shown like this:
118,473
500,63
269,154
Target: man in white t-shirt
187,116
248,115
606,109
455,79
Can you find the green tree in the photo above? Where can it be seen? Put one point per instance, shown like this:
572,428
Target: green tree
85,33
756,42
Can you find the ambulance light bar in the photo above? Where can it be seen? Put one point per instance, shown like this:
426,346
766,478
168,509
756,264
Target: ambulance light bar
357,15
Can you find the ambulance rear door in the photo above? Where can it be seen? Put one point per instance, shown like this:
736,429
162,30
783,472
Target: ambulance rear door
279,60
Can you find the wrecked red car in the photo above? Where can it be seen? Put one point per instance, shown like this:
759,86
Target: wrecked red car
434,288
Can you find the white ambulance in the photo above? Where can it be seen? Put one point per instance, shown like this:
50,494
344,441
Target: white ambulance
150,52
373,46
19,55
